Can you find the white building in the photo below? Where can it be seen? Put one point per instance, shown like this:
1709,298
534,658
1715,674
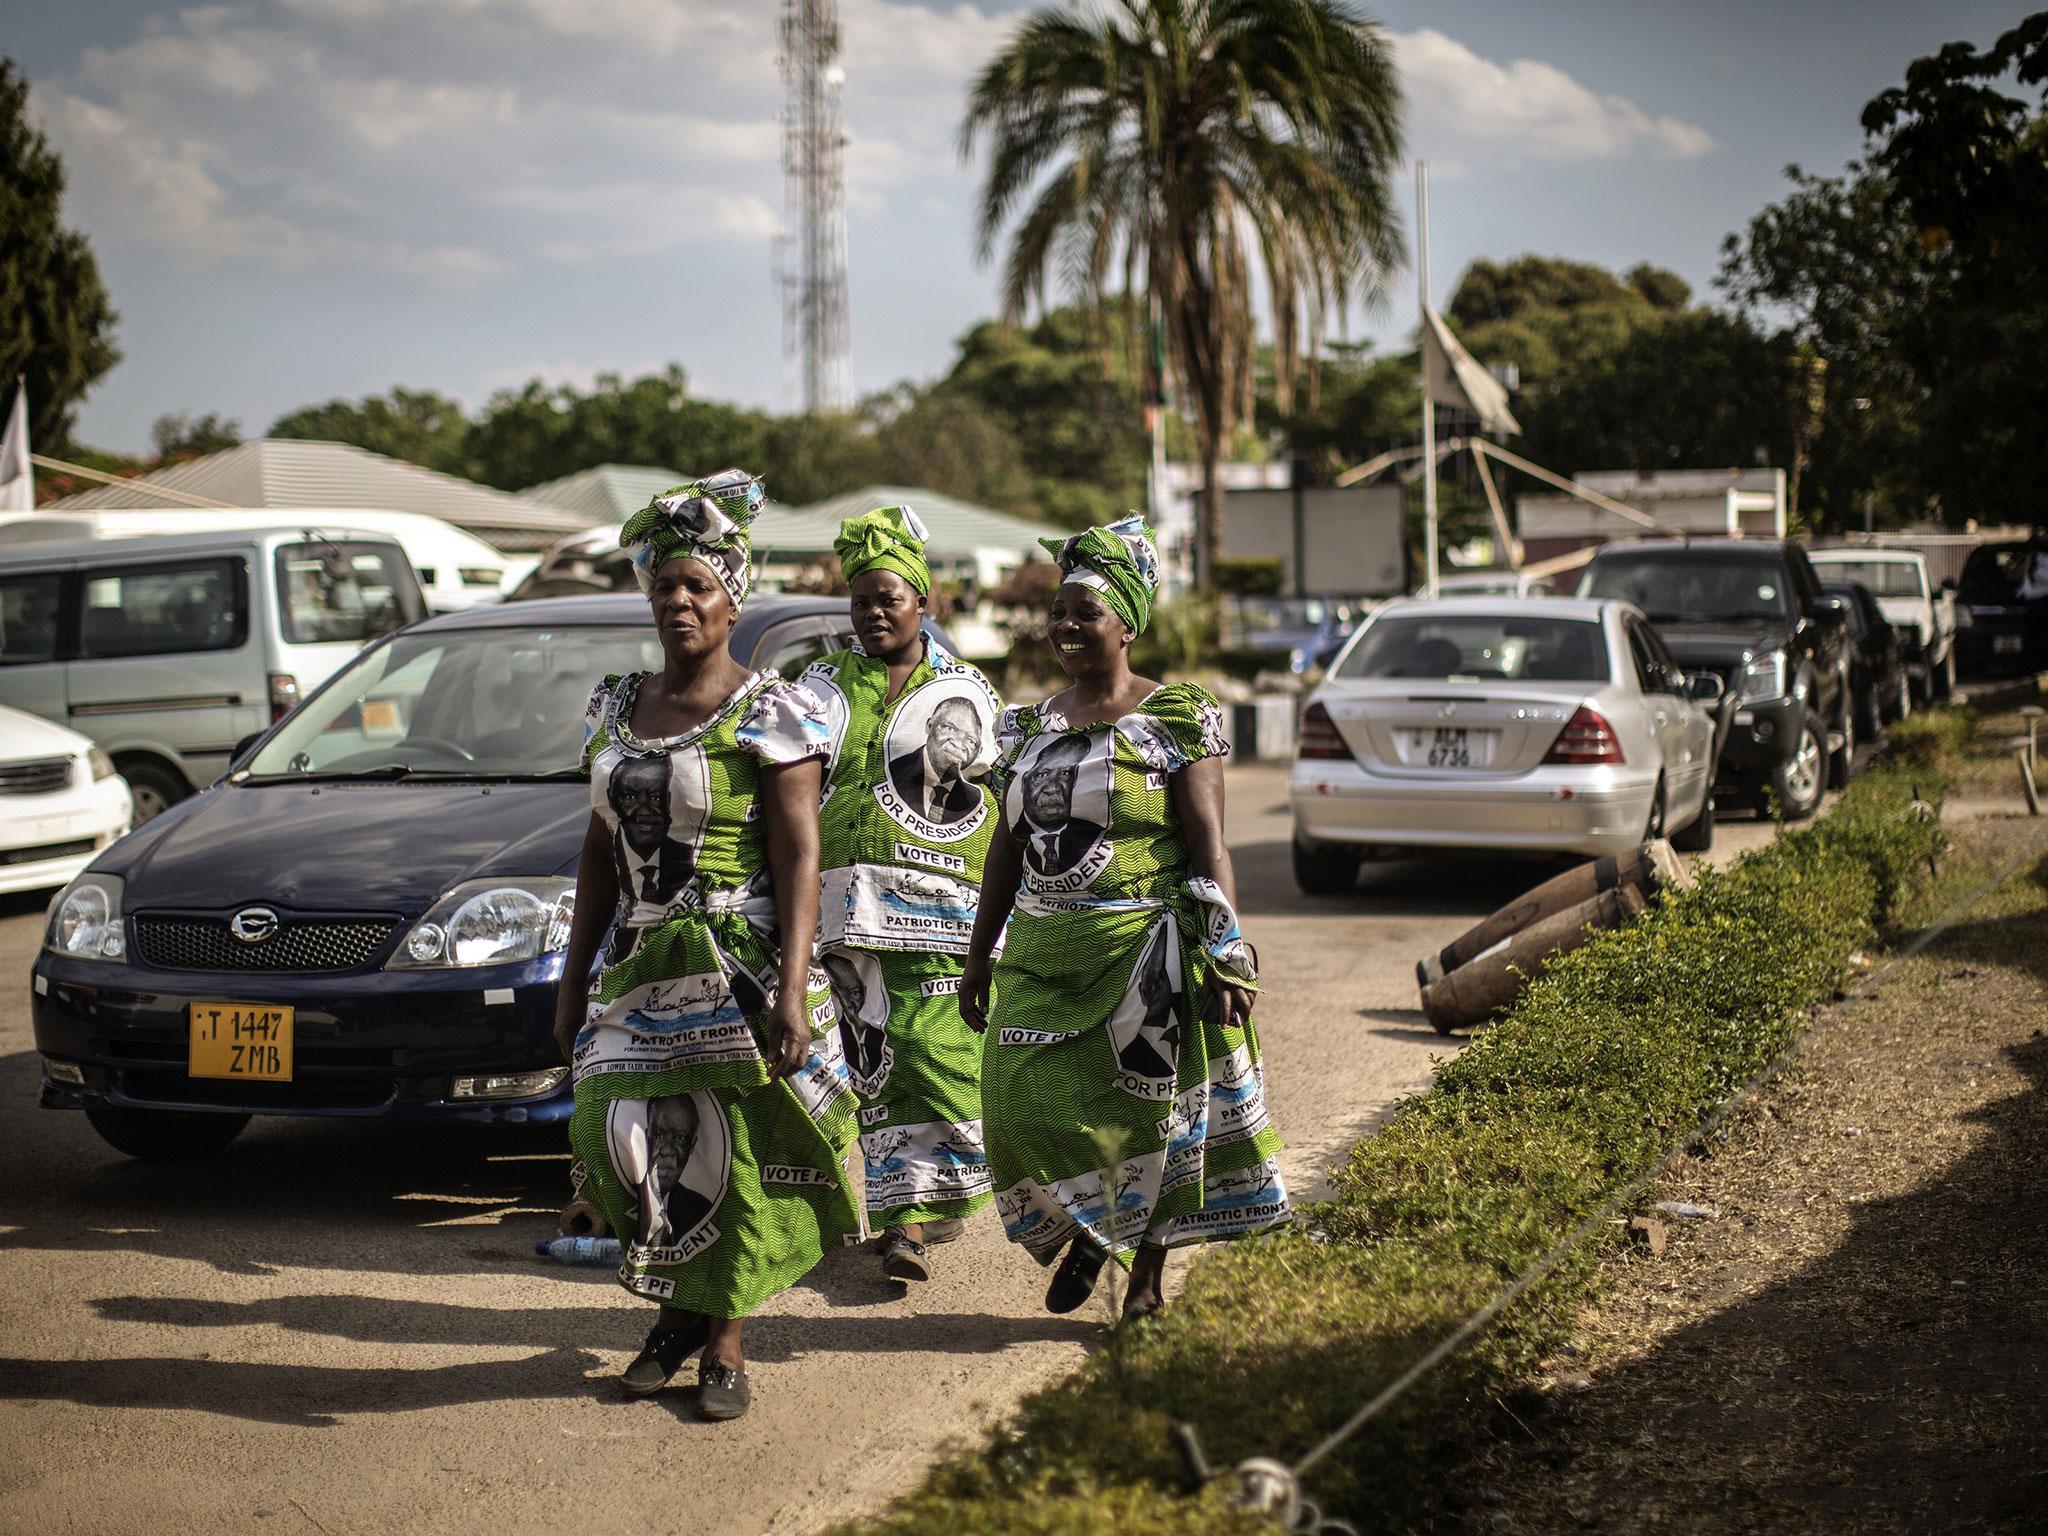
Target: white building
1730,503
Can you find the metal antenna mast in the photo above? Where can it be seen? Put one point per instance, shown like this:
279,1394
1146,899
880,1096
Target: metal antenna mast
814,325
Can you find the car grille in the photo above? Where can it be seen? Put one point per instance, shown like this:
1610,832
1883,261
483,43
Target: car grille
35,776
42,851
306,944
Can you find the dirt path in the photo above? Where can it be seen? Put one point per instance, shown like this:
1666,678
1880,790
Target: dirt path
1859,1341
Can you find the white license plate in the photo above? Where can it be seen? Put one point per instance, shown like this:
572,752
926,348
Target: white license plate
1450,746
2002,645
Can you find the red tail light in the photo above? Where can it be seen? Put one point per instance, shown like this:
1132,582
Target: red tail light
284,694
1319,736
1586,739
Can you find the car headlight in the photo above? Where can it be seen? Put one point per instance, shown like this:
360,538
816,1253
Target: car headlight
102,766
490,922
1763,677
85,920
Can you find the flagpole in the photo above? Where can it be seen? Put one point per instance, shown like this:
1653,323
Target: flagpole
1429,556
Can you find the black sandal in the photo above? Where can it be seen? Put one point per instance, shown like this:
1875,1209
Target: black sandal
662,1356
1074,1281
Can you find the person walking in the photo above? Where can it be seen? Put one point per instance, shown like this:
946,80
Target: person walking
1123,1095
906,826
713,1109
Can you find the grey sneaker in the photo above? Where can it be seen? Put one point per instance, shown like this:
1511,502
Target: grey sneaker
722,1393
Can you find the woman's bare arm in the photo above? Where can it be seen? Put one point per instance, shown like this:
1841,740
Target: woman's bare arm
789,802
597,902
1000,872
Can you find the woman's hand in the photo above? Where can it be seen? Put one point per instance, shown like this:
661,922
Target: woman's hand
790,1029
975,984
1225,1002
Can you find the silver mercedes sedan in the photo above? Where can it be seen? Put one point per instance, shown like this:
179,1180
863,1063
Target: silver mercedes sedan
1518,725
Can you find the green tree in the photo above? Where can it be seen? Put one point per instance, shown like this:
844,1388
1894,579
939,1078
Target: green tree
542,432
416,425
1490,293
56,324
1173,147
179,436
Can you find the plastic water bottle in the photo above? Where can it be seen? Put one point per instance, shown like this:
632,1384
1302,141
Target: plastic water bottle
579,1250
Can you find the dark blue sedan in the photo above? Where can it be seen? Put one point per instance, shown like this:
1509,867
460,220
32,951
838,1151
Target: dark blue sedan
366,916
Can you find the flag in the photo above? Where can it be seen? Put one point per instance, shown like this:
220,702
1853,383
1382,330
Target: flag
17,476
1453,377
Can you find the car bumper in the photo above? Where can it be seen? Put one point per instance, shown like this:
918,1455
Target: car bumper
45,840
1589,811
1762,736
375,1044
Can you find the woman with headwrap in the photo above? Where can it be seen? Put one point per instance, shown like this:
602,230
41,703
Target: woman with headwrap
1123,1097
906,826
713,1110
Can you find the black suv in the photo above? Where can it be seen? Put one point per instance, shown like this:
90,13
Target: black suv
1753,611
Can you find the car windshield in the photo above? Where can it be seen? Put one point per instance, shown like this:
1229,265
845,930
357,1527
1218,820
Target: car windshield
1510,648
1885,578
1694,586
471,703
343,591
1859,620
1993,574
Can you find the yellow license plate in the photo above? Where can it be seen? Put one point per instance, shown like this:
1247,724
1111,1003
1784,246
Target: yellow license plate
241,1040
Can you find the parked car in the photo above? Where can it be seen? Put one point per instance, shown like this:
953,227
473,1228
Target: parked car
1878,680
586,562
1752,611
61,802
1494,584
1924,614
1527,725
1300,632
2004,595
168,650
374,901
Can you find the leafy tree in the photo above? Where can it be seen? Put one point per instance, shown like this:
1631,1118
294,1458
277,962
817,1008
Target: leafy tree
416,425
542,432
1490,293
1174,147
179,436
56,324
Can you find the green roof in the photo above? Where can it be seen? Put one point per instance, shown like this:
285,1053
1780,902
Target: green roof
609,493
958,529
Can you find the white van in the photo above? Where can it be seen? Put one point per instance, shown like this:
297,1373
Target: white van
168,650
455,569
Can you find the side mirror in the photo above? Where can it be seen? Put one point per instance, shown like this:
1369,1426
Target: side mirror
1948,585
1705,687
242,747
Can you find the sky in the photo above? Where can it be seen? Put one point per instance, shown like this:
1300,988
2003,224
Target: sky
297,200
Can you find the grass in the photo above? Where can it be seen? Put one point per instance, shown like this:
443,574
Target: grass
1610,1057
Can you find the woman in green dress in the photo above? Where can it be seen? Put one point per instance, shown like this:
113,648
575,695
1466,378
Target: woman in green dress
906,825
1123,1096
713,1111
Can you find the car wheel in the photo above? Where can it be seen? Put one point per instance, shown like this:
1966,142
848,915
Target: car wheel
1325,869
164,1135
1795,783
153,787
1653,828
1842,759
1902,706
1697,835
1870,713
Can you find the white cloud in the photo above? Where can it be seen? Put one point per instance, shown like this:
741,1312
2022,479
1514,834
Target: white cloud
1525,107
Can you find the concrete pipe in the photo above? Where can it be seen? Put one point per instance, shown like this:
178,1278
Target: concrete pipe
1649,869
1484,985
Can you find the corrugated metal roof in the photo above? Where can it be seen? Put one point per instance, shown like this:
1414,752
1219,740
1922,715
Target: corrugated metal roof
282,472
958,528
607,493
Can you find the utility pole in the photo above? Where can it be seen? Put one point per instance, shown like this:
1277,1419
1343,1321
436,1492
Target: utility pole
814,308
1429,560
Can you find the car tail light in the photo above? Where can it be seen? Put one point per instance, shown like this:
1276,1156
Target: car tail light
1319,736
1586,739
284,695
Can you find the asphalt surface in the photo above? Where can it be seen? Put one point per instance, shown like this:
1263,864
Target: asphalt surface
340,1327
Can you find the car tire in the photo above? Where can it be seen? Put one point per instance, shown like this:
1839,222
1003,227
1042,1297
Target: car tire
1697,835
164,1135
1902,706
1842,759
1797,782
1653,824
1325,869
153,786
1870,713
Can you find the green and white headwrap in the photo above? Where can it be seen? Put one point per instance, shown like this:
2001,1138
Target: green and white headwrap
1120,561
886,539
705,519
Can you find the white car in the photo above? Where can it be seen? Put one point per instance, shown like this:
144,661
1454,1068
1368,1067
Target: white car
1525,725
1493,584
61,803
1922,613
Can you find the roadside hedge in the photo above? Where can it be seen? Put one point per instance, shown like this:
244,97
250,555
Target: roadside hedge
1609,1058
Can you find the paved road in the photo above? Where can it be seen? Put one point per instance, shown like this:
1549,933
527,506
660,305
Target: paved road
338,1327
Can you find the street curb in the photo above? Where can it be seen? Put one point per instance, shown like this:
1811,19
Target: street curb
2011,690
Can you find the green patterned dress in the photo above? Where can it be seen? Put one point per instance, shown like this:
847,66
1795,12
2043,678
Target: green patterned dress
905,827
724,1187
1096,1035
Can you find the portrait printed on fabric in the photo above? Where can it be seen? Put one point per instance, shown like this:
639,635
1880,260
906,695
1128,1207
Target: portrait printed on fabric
940,743
1145,1028
863,1001
675,1154
1059,808
662,802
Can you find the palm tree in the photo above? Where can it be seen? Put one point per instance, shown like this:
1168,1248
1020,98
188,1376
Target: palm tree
1186,146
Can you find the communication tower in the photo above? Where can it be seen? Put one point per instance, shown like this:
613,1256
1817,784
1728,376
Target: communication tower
811,263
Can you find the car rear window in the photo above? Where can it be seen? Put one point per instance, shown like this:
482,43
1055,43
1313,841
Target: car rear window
339,591
1437,648
163,610
1885,578
1692,586
28,617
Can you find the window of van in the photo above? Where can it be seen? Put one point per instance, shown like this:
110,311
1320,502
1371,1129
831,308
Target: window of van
162,610
28,617
328,591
